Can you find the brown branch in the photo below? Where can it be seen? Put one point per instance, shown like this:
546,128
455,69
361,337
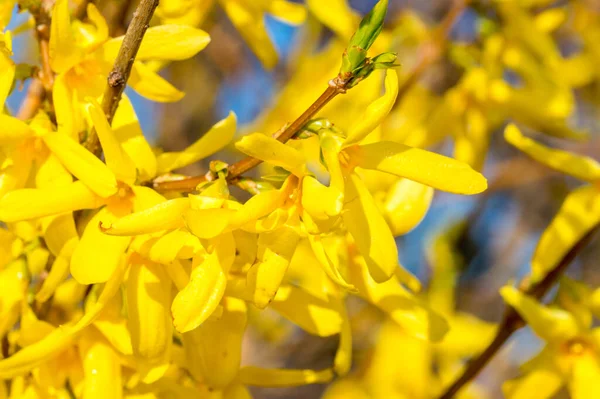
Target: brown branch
512,321
432,50
117,78
336,86
33,100
41,86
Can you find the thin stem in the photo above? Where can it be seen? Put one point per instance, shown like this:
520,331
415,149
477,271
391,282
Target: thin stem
117,78
336,86
41,86
512,321
33,100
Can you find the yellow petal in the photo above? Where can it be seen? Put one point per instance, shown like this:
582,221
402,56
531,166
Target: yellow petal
59,232
178,244
385,373
578,214
64,52
413,315
273,151
579,166
15,172
113,326
314,315
320,201
343,356
82,164
275,250
149,320
164,42
369,230
212,141
55,342
164,216
331,145
151,85
145,198
207,223
52,173
257,376
552,325
406,204
258,206
287,11
127,130
468,335
214,349
7,66
422,166
472,145
376,111
249,21
196,302
539,383
337,15
64,107
13,283
327,264
97,255
583,383
101,367
59,271
116,158
31,203
98,20
12,129
237,391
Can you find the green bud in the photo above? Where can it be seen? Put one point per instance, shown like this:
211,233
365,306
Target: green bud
314,125
370,27
218,168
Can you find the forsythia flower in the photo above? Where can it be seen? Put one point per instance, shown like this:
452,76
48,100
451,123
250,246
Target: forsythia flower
427,366
82,55
570,355
580,211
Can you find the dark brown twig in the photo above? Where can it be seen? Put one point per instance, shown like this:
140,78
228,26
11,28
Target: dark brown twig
118,76
512,321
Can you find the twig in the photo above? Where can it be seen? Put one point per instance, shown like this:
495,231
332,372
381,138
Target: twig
41,86
33,100
336,86
117,78
432,50
512,321
42,21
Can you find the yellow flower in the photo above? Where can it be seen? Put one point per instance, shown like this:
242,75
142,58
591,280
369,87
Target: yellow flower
82,54
428,366
580,211
570,355
359,211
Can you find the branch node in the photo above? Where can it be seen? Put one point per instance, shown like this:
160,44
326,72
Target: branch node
116,78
